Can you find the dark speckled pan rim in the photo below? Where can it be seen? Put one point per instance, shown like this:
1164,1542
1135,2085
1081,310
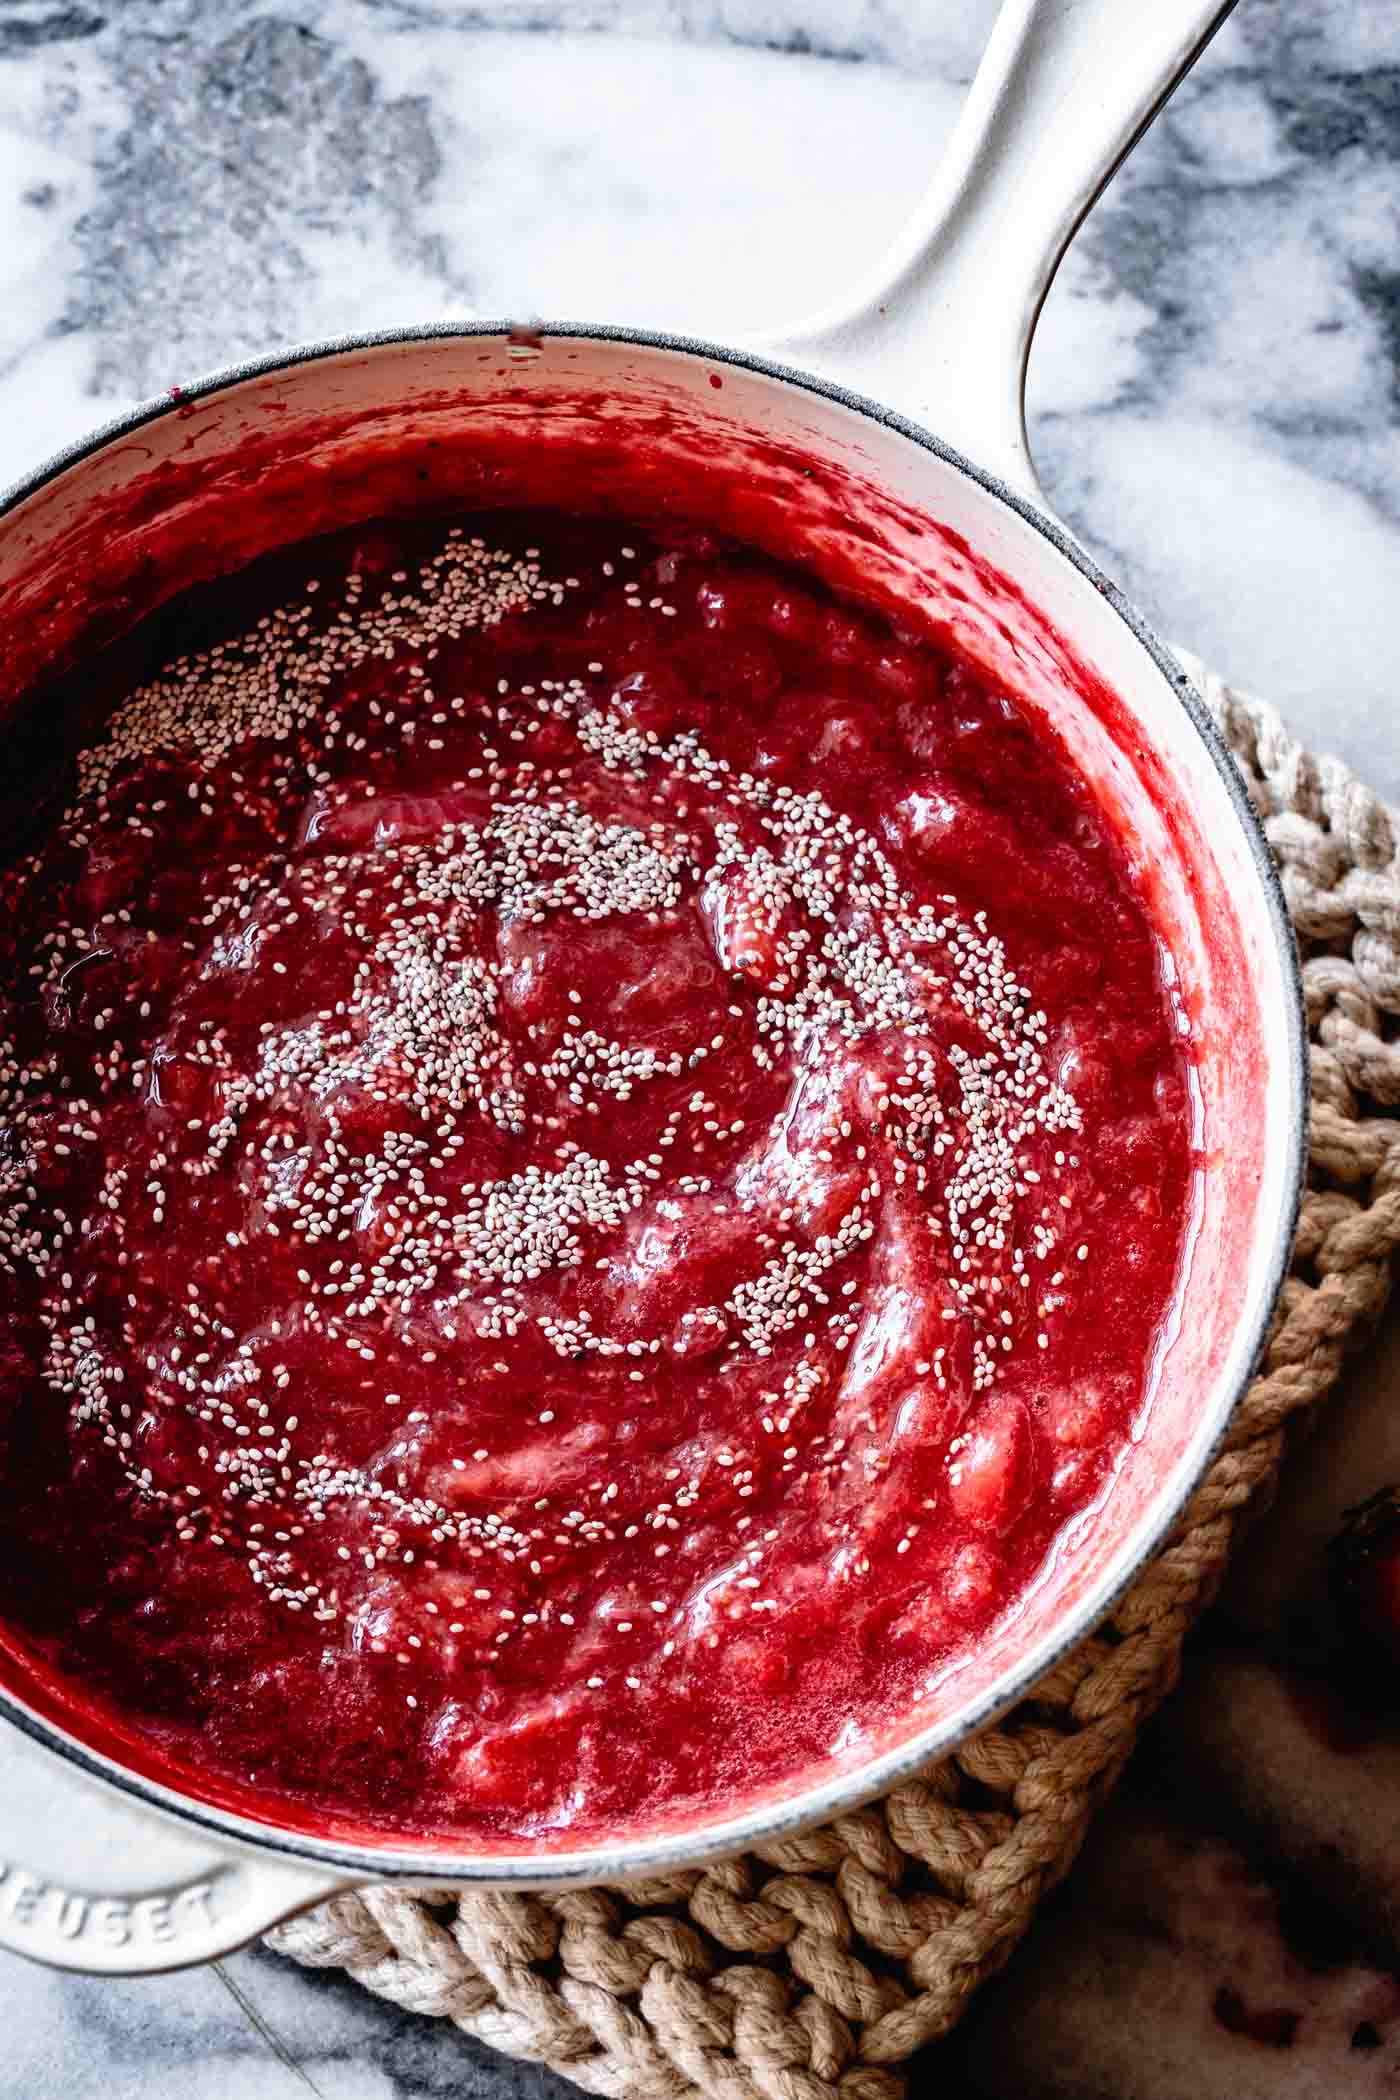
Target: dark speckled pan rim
850,1789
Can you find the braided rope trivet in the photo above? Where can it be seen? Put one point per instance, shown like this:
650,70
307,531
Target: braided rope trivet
805,1969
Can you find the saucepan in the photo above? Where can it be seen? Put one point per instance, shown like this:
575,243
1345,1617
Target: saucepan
884,442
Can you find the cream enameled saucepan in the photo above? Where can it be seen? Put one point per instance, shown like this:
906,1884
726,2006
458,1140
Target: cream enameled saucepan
111,1861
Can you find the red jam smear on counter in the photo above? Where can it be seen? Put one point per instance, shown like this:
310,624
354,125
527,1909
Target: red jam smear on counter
593,1156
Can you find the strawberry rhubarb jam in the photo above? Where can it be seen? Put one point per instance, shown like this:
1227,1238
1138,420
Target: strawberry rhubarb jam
593,1154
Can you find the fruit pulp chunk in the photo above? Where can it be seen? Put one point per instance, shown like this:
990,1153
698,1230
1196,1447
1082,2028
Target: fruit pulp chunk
593,1155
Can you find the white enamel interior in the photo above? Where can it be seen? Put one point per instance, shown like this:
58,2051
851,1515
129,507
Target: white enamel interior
157,505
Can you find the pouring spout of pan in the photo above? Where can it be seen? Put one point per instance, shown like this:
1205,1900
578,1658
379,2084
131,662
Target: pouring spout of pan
941,328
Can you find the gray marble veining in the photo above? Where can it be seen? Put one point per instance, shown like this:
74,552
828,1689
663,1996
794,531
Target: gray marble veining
1215,404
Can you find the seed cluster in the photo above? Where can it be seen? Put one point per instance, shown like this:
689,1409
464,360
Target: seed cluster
274,680
424,1151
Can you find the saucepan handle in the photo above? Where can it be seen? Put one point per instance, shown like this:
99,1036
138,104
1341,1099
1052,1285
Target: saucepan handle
93,1879
942,327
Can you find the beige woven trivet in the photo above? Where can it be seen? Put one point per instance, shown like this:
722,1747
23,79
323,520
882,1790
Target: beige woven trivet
807,1969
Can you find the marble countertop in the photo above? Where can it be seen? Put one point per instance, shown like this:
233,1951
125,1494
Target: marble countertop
1215,407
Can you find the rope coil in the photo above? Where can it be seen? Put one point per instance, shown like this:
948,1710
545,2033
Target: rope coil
810,1967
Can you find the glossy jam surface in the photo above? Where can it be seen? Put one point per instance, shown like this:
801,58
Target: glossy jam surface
593,1163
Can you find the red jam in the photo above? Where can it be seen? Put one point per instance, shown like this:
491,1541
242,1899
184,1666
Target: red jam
593,1155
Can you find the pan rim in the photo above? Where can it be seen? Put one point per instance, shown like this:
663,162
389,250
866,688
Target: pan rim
623,1858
